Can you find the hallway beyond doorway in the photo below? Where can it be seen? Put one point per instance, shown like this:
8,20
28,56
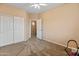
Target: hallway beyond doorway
33,29
36,28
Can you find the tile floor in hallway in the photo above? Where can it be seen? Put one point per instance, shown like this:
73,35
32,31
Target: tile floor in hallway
33,47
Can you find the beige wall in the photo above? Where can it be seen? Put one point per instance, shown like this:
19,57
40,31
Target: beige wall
61,24
11,10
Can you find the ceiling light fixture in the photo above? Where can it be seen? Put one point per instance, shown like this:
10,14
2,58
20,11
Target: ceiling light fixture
38,5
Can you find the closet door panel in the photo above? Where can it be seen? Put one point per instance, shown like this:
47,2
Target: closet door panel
0,30
10,30
7,30
18,29
3,31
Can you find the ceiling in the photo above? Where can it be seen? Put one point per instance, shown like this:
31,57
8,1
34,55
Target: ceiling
26,6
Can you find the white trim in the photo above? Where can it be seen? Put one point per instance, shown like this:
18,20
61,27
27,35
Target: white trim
56,43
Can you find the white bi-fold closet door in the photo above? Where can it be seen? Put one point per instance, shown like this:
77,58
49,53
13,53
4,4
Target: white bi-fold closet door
11,29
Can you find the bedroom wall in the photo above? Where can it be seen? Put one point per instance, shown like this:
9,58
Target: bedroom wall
61,24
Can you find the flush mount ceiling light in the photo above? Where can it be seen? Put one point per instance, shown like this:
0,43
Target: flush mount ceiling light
38,5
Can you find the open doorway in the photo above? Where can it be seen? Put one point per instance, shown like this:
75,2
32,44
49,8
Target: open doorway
33,29
36,29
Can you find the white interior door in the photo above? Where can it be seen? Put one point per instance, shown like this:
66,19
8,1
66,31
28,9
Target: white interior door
18,29
39,29
6,30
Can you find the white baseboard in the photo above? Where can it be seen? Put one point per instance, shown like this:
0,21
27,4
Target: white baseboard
56,43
